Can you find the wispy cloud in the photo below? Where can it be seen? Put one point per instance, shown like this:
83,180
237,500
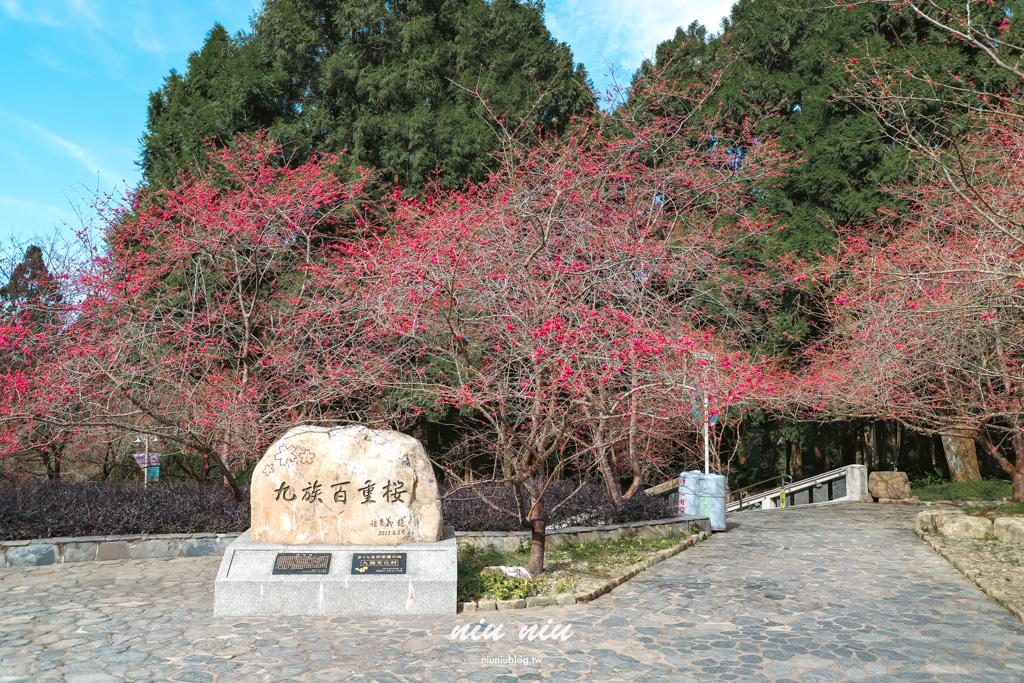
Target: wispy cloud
31,207
35,15
86,9
37,12
50,59
60,145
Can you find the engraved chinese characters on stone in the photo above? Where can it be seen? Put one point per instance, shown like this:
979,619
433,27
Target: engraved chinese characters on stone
344,485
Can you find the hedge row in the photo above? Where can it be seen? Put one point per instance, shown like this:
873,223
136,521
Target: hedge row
45,509
492,507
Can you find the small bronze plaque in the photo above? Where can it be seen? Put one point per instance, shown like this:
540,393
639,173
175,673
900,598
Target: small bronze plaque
302,563
378,563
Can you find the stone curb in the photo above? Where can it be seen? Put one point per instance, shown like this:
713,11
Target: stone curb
1014,608
562,599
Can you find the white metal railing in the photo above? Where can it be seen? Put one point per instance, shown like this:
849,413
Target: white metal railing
820,488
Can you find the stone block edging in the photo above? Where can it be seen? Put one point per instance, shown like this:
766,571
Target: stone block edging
64,550
988,587
575,598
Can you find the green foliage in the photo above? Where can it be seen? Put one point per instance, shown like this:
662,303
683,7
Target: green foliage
931,479
788,66
1007,510
624,550
972,489
472,585
796,57
566,584
500,587
598,557
228,88
397,85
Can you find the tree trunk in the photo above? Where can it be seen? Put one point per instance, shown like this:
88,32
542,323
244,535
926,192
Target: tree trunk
1017,474
848,446
870,454
536,565
897,445
797,460
538,528
230,478
1018,481
559,473
611,479
961,454
820,460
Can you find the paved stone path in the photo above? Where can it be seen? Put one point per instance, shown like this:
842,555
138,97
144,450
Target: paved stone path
843,592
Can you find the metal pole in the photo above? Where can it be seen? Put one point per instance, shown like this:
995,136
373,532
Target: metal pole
707,419
145,470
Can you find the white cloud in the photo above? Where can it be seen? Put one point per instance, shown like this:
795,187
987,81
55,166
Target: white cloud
625,32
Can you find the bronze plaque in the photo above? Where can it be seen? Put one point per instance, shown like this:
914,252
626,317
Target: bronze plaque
378,563
302,563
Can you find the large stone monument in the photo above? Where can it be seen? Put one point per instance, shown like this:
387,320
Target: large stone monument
344,521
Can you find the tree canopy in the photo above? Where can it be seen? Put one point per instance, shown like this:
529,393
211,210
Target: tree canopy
405,87
801,57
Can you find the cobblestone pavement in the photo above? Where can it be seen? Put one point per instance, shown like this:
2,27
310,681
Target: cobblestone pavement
844,592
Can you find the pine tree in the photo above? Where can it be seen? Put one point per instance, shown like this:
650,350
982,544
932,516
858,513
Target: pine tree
228,88
406,87
798,56
31,290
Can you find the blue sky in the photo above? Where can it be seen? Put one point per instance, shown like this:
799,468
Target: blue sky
76,75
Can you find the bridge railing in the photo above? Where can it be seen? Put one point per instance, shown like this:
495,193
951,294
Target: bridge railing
848,483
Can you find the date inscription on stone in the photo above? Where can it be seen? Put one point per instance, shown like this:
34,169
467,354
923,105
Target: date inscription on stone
378,563
302,563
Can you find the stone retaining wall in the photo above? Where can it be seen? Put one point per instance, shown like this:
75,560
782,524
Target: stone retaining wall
510,541
956,524
44,551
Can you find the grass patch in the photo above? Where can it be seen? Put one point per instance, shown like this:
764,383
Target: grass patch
567,567
608,554
973,489
1007,510
472,585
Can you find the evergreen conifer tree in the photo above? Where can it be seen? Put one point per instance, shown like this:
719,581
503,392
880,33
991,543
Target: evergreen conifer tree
406,86
30,289
797,55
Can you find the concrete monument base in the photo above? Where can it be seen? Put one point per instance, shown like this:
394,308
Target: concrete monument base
270,579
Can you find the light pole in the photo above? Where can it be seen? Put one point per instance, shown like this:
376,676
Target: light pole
707,418
707,441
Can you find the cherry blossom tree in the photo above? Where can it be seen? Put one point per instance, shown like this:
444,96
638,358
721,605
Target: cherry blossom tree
186,327
561,302
929,326
929,322
35,311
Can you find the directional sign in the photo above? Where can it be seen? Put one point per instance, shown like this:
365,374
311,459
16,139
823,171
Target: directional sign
697,414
